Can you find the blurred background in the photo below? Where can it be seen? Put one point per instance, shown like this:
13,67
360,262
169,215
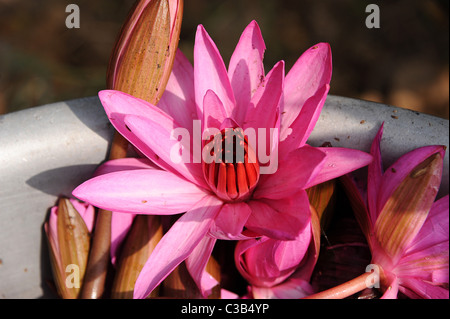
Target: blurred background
403,63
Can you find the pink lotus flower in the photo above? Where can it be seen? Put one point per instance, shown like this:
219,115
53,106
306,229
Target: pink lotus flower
231,201
406,230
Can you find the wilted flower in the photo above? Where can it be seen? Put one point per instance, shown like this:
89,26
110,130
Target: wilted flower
406,230
229,199
68,232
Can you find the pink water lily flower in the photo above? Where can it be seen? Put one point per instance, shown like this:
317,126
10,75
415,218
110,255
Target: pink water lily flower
228,200
407,230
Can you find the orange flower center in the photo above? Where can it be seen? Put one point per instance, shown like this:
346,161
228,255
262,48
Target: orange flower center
232,171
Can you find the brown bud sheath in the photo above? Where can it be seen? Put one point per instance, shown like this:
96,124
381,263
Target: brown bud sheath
143,237
213,268
321,197
179,284
69,251
143,57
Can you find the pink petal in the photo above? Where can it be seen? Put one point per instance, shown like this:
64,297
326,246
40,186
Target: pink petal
391,286
118,105
311,72
226,294
178,99
230,222
164,141
141,191
416,288
290,253
246,69
214,113
293,174
300,129
375,172
338,162
121,222
280,219
430,264
416,175
240,250
86,211
292,288
176,245
397,172
435,228
120,225
196,265
271,261
210,72
428,254
51,229
263,110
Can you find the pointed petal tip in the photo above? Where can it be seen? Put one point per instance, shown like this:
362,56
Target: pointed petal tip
201,30
322,46
254,26
279,64
104,94
253,23
324,49
78,192
115,97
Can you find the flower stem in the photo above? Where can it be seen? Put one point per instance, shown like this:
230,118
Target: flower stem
344,290
97,266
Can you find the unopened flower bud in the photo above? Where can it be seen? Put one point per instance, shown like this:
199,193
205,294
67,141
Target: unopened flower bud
143,56
68,232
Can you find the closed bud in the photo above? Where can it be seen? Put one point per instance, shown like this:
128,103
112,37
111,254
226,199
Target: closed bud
143,56
68,233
